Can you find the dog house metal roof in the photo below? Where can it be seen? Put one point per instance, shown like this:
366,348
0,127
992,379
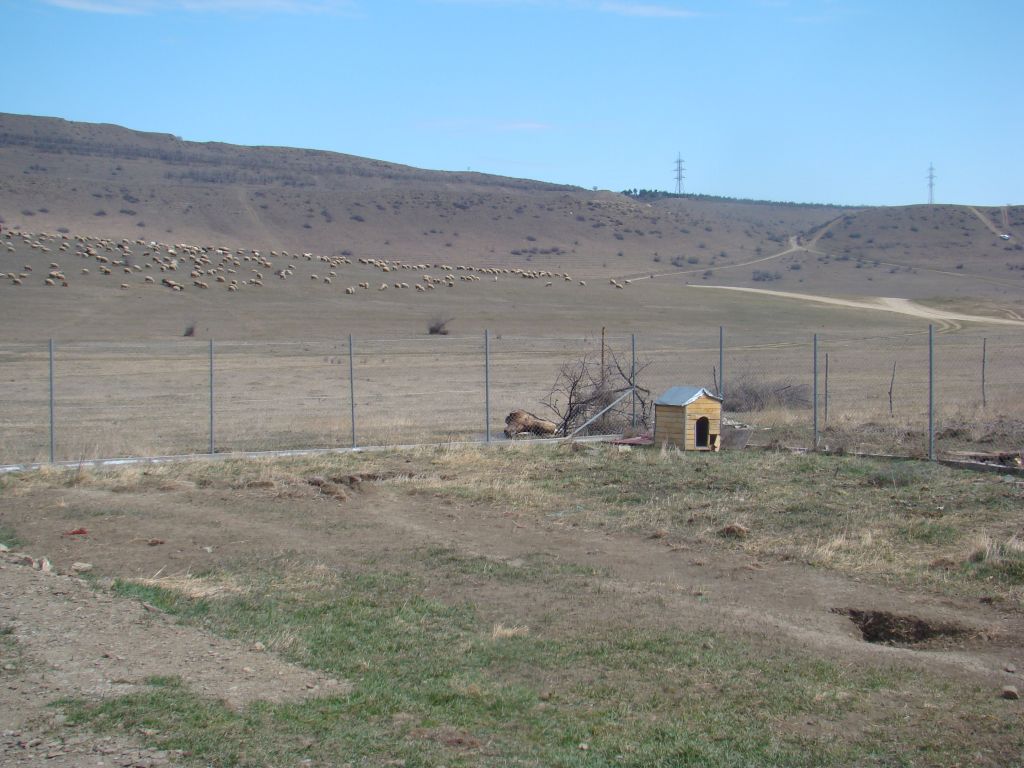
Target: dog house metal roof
684,396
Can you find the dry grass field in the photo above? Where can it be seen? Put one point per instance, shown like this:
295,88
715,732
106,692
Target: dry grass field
129,382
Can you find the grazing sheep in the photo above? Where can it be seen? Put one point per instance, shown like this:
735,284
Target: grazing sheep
583,283
48,281
149,279
350,290
383,287
124,286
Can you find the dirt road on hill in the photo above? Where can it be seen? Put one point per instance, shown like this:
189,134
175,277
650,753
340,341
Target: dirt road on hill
793,248
947,321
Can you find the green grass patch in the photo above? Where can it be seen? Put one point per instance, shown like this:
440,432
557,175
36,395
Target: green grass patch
533,568
434,685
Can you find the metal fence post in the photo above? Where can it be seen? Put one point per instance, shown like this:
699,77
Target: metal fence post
721,361
212,444
487,386
53,441
931,392
984,350
814,395
826,391
632,381
352,387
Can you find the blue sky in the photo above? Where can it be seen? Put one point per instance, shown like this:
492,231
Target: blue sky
843,101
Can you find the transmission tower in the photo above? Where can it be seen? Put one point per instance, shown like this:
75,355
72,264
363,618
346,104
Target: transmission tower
931,184
679,174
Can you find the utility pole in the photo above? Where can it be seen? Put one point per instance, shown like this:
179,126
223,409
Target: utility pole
931,184
679,174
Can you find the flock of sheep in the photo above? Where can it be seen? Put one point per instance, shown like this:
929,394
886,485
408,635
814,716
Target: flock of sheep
237,269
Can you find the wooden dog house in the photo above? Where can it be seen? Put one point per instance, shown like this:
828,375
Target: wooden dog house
689,418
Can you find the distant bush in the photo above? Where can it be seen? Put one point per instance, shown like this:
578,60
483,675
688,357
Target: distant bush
764,276
100,212
439,326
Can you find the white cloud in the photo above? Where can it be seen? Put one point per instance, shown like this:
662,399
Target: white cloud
618,7
646,10
473,125
199,6
99,7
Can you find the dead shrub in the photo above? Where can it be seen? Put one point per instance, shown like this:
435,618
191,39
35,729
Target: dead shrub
749,393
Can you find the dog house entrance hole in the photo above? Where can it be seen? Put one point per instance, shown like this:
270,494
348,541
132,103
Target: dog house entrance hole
703,429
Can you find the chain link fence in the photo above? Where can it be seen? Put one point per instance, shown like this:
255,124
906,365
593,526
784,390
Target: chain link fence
83,401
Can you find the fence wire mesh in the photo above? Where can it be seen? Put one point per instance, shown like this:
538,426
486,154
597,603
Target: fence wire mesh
875,396
121,399
280,396
146,399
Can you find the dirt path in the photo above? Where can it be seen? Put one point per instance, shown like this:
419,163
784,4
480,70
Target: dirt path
646,581
722,591
75,641
985,220
947,320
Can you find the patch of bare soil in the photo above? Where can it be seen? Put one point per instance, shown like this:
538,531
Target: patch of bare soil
76,641
890,628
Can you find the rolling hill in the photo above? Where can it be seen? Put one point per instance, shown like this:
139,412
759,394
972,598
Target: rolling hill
66,187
